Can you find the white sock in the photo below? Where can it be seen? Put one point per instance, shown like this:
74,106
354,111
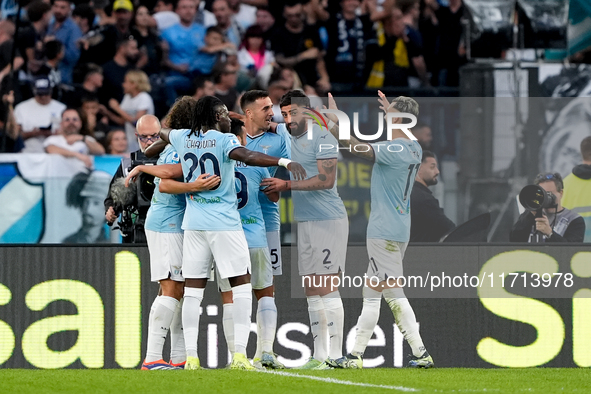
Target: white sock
193,298
242,313
159,325
267,319
335,319
318,327
177,338
367,320
405,319
228,323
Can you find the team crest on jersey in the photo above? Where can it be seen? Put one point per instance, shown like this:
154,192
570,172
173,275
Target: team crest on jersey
265,148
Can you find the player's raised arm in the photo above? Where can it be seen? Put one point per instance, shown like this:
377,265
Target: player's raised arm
162,171
327,173
258,159
366,152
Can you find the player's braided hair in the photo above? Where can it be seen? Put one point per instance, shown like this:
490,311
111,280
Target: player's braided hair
180,115
204,113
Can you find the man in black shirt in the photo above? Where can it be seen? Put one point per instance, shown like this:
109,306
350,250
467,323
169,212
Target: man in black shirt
115,70
30,38
349,38
298,45
428,222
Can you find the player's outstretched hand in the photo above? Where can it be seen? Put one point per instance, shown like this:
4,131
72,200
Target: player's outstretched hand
299,173
274,185
383,100
133,174
206,182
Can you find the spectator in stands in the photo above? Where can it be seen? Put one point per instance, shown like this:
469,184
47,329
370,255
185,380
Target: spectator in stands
428,222
91,83
102,18
224,16
86,192
225,79
94,118
557,224
316,11
244,14
84,17
54,56
451,50
430,31
203,16
277,88
253,54
31,38
39,116
411,12
10,139
148,42
349,53
114,71
267,23
105,38
202,87
164,14
577,188
64,29
7,30
297,45
70,142
136,103
182,44
116,143
215,45
424,135
402,55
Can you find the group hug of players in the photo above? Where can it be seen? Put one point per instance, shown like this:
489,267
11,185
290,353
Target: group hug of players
215,205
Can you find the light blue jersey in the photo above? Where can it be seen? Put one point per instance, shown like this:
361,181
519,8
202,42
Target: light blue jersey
248,183
274,145
281,130
397,163
166,210
208,153
315,204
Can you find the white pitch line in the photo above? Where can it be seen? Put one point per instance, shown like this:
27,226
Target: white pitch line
338,381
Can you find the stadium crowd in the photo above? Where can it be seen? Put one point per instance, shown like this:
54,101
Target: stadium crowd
116,61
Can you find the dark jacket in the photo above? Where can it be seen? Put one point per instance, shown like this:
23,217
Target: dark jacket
573,229
428,222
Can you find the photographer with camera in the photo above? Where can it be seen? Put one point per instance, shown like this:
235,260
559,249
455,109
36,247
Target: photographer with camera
545,219
119,197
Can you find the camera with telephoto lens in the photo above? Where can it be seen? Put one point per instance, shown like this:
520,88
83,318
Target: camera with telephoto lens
535,199
133,202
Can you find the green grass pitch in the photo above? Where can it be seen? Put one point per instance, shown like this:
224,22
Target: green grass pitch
539,380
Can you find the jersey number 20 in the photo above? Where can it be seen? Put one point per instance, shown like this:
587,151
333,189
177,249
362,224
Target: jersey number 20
201,163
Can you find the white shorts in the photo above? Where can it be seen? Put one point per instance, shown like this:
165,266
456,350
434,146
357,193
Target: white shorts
262,273
274,242
385,258
166,255
322,246
228,248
